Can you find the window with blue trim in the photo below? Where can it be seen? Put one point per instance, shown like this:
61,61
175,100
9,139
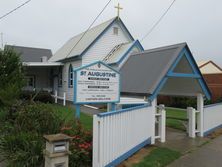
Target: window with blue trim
70,76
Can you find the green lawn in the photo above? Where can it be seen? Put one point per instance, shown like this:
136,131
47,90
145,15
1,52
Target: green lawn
176,118
159,157
68,114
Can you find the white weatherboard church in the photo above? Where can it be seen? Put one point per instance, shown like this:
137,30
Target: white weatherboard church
110,42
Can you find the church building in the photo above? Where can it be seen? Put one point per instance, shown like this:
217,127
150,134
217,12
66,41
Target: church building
112,43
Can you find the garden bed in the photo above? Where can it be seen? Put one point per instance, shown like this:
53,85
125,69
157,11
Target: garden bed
21,137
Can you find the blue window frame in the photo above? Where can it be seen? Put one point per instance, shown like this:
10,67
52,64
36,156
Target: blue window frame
70,76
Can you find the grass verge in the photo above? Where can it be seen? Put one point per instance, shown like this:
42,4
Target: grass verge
159,157
175,118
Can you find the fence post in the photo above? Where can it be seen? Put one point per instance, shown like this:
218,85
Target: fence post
56,96
154,104
162,124
64,98
200,106
192,121
96,141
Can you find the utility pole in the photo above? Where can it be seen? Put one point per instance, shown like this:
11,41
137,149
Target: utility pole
2,40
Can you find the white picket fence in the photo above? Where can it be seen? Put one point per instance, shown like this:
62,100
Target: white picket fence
212,117
117,135
56,97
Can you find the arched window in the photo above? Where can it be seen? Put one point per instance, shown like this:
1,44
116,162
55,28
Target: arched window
70,76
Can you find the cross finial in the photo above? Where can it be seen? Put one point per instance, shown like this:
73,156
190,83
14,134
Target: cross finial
118,9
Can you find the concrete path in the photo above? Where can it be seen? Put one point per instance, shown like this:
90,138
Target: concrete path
90,111
87,110
179,141
209,155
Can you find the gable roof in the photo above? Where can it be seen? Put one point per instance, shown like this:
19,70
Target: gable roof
67,50
30,54
209,67
144,72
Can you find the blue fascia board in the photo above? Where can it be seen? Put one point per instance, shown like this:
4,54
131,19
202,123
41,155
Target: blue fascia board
197,70
158,88
129,153
197,74
186,52
122,110
124,26
183,75
104,31
211,130
70,71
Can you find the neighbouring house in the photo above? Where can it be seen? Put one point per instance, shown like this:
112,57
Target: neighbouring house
213,75
40,74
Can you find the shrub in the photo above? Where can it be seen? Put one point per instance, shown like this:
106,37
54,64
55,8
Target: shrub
21,136
11,77
21,141
42,96
80,146
22,149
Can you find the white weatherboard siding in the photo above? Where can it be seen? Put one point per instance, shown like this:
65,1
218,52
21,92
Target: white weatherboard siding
65,74
105,44
212,116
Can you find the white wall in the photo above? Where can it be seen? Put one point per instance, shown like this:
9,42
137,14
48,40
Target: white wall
105,44
212,117
65,86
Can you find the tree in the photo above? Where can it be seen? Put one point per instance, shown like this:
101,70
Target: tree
11,76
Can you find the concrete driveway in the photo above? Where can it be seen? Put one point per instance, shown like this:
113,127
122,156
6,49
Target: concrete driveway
209,155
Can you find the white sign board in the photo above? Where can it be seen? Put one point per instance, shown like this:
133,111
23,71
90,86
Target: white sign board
96,83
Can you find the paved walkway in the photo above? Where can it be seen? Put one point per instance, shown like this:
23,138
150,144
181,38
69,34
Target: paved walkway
179,141
87,110
209,155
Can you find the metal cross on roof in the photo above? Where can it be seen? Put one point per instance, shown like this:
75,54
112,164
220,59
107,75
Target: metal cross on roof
118,9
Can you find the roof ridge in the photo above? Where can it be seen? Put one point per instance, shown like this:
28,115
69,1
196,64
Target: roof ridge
27,47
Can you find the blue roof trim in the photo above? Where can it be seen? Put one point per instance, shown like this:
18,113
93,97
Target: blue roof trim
183,75
197,74
105,30
135,44
194,65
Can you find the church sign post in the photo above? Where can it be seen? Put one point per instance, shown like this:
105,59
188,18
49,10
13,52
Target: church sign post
96,83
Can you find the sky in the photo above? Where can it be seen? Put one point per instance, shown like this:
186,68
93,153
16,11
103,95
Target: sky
50,23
